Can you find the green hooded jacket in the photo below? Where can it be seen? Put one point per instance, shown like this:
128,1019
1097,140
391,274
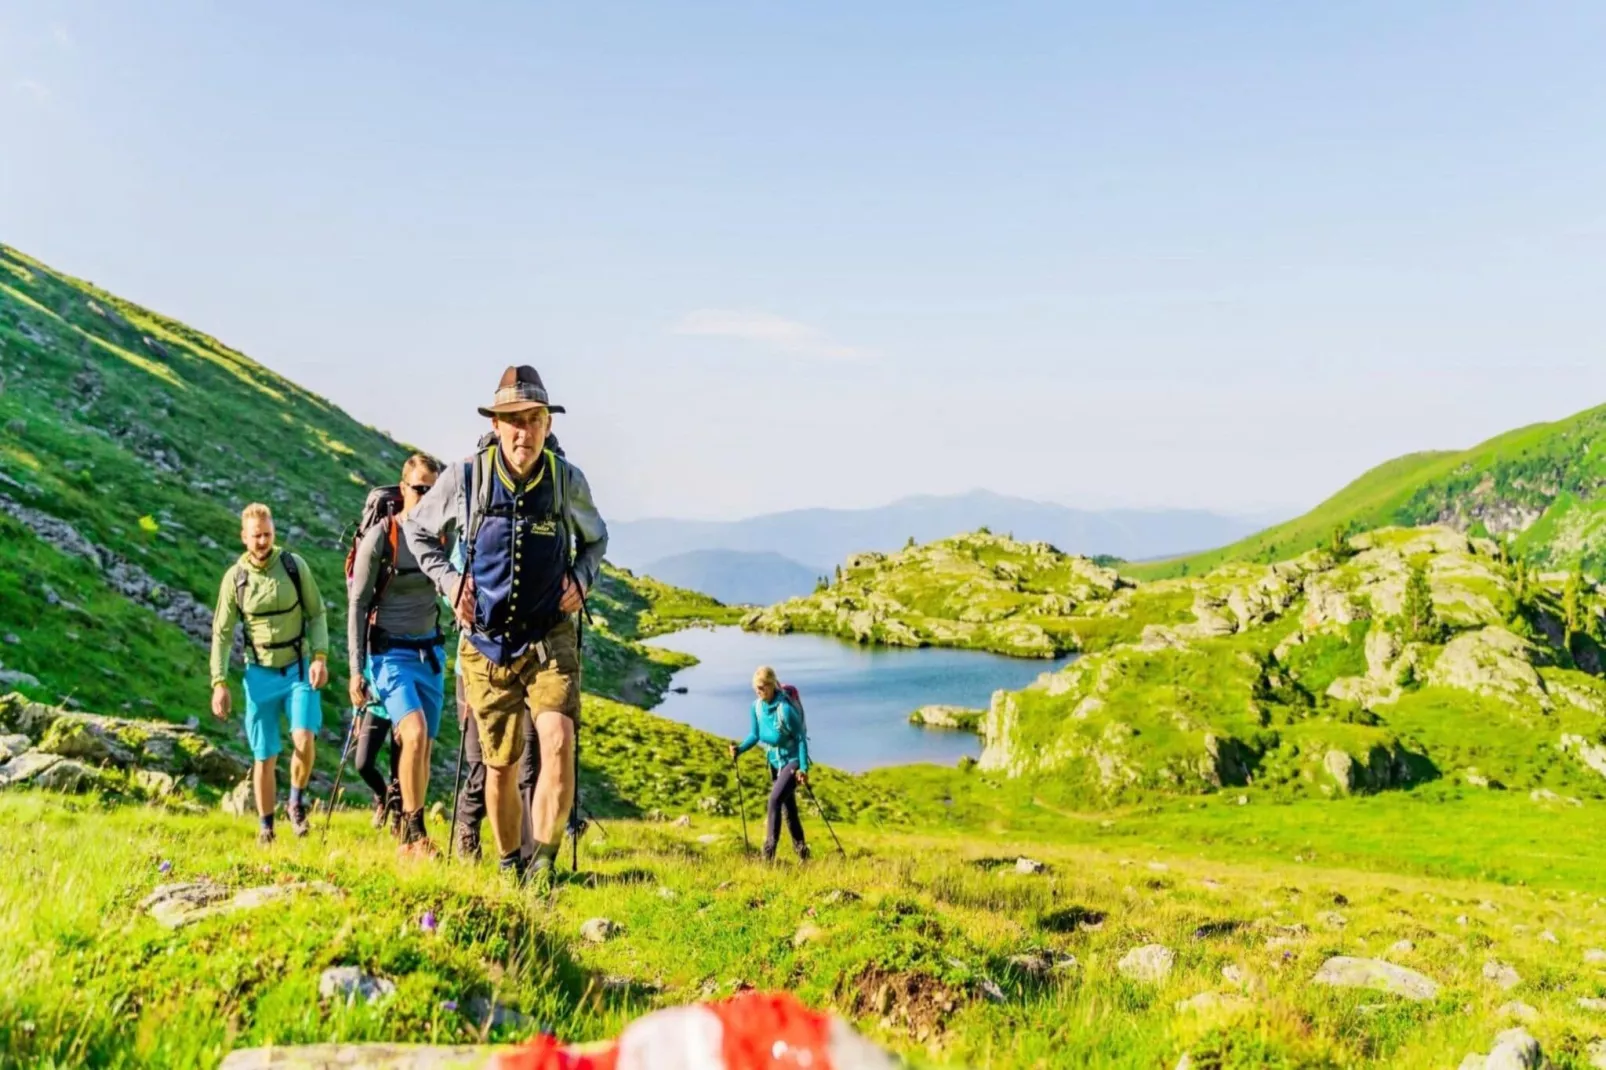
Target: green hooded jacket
271,617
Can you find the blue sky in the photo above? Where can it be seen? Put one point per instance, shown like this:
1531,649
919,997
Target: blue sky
773,255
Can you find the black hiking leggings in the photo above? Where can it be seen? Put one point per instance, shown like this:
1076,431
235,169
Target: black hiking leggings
371,736
783,802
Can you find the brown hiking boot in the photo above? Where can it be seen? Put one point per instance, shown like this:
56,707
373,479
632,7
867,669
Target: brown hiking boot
424,848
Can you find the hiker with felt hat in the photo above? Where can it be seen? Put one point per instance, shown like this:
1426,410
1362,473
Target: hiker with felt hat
776,721
396,649
533,545
272,592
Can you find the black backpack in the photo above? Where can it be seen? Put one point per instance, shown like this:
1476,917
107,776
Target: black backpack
382,506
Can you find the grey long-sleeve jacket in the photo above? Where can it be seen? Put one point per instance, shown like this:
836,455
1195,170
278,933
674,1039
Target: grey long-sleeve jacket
409,607
442,516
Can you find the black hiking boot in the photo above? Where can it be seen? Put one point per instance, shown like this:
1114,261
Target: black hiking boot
513,867
381,812
803,852
264,836
468,841
394,806
298,819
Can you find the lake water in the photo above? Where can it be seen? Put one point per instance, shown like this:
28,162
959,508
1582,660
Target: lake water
858,699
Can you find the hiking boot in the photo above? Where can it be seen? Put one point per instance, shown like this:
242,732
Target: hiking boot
298,819
803,852
513,868
381,812
423,848
468,841
264,836
396,819
541,876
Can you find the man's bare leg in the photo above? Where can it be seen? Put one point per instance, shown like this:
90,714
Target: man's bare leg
554,791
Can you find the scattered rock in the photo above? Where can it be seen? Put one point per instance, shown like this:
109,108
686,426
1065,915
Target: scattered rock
1235,975
598,930
154,784
1518,1011
682,822
1218,1003
17,678
1343,971
955,718
1589,1003
1515,1049
1029,866
1150,964
1211,929
68,776
837,896
990,990
708,839
807,933
1549,937
176,905
1595,956
1502,975
240,802
350,983
484,1013
11,746
25,766
1332,919
1041,963
1402,947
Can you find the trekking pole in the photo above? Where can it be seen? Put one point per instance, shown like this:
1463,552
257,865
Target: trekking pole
334,792
741,803
810,789
457,784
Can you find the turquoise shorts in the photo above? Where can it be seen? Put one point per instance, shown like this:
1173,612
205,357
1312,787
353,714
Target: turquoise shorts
404,681
270,692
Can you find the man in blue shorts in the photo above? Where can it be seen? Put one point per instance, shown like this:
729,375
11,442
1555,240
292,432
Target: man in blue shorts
286,660
394,635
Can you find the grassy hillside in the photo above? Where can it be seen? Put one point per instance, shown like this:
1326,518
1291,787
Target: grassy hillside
1544,486
130,442
934,945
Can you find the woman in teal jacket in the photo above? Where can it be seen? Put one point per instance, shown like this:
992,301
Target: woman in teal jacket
776,723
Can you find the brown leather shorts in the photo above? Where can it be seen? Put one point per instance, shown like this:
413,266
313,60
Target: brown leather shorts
543,679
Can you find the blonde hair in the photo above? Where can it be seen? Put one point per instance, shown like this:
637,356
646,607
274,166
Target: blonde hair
420,462
764,676
255,511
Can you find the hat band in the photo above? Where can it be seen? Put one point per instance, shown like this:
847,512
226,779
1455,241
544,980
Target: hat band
520,392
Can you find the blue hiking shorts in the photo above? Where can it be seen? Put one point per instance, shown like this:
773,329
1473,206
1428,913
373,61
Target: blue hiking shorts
270,692
404,681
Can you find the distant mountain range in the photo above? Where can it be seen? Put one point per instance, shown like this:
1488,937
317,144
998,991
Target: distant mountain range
736,577
779,554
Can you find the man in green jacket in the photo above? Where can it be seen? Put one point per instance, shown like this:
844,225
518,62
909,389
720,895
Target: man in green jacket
286,660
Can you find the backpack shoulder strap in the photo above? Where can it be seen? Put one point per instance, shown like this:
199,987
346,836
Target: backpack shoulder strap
479,492
387,562
292,568
240,580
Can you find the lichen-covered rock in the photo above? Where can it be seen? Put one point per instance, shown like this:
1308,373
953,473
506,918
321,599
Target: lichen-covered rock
25,767
120,743
1494,662
1150,964
1345,972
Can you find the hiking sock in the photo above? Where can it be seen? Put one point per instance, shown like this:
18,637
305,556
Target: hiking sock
295,797
513,864
266,821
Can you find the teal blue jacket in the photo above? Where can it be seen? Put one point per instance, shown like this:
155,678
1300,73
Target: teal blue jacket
780,728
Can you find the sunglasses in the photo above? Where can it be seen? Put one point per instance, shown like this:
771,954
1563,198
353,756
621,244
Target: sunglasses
419,489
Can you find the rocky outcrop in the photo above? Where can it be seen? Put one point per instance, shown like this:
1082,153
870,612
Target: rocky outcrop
977,591
957,718
93,742
1493,662
123,576
1382,767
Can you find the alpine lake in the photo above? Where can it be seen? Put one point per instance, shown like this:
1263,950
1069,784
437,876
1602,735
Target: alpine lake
856,699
